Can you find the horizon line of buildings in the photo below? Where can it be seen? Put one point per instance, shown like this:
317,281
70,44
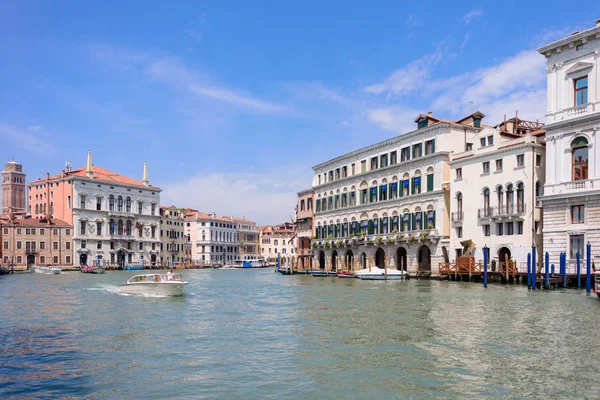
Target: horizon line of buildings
422,198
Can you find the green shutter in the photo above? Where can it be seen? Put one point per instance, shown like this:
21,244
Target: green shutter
433,145
429,182
401,189
413,186
433,222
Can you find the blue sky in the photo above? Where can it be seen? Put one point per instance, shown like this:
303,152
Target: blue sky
232,103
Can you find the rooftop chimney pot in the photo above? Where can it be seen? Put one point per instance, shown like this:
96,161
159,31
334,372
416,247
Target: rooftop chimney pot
430,114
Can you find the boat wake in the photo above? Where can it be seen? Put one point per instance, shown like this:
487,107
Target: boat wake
115,289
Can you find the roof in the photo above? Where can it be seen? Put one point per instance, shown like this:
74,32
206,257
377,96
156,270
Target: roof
36,222
198,215
100,174
575,36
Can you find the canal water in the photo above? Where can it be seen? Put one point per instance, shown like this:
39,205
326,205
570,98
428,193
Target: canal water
247,334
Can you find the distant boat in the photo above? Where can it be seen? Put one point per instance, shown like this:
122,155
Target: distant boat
47,269
379,274
90,269
168,284
345,274
133,268
322,272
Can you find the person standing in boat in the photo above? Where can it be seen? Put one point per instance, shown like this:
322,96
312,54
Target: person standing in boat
170,275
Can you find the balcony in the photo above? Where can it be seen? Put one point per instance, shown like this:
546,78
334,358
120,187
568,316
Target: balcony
573,112
571,187
513,210
121,214
378,239
457,216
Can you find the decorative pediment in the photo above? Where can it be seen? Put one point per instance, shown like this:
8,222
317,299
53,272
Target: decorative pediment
580,66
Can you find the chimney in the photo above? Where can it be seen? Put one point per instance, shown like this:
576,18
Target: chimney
196,215
88,171
145,177
429,114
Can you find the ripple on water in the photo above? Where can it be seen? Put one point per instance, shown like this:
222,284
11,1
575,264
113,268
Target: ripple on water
255,334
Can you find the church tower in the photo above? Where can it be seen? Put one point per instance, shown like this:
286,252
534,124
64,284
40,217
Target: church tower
13,188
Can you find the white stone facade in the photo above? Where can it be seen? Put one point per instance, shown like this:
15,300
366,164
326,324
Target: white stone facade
214,239
115,223
392,196
498,208
570,201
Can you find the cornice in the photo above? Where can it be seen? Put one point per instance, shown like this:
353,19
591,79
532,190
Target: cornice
593,32
397,139
466,160
109,183
365,175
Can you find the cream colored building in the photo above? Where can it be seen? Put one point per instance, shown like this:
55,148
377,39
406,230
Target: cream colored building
495,188
172,236
571,198
278,239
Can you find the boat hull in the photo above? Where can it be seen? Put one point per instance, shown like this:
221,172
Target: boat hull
345,275
152,288
50,271
379,277
323,273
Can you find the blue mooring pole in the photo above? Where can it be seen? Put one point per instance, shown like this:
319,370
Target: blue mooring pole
588,262
278,261
533,267
485,265
563,262
552,270
547,276
529,270
578,270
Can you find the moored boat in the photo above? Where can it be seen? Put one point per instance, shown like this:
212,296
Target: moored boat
168,284
48,269
345,274
322,272
380,274
90,269
596,284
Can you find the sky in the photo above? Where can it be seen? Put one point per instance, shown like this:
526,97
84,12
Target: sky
231,103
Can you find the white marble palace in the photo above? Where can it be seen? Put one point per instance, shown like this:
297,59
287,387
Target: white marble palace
571,200
389,203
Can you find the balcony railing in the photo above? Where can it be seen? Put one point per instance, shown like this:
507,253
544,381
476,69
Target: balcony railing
458,216
573,112
571,186
502,211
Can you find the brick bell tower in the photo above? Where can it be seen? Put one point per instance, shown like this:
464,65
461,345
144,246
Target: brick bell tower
13,188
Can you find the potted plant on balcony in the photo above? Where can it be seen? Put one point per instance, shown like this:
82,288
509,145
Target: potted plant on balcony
412,238
389,240
423,235
400,236
378,240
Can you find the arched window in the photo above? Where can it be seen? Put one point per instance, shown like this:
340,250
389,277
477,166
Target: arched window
486,202
579,151
459,203
111,203
36,208
510,199
128,204
120,227
500,195
128,228
520,198
119,203
203,236
112,226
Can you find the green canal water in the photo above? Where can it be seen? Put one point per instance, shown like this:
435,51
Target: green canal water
249,334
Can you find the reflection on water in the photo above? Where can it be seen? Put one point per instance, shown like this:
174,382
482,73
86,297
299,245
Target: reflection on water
256,334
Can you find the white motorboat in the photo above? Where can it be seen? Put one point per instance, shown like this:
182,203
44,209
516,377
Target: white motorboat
48,269
168,284
380,274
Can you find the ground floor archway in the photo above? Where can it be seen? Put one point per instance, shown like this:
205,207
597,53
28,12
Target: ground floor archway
363,260
424,259
401,259
334,260
322,260
349,260
380,258
504,254
83,259
121,258
30,260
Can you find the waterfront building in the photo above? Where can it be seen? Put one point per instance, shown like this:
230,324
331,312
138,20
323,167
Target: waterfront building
494,191
248,238
13,188
277,239
214,240
304,229
116,219
172,236
571,198
388,203
30,242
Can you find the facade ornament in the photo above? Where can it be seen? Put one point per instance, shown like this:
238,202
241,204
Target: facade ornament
554,67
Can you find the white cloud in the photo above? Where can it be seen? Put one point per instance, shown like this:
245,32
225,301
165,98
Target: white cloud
26,140
396,119
411,77
474,13
267,198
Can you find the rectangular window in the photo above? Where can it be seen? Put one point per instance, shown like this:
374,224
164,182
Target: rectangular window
486,167
42,259
373,163
98,203
520,160
430,147
152,209
353,168
500,229
344,171
458,173
55,259
68,245
393,157
384,160
519,227
417,150
69,202
576,245
337,173
68,232
430,182
581,91
577,214
405,154
363,166
499,165
486,230
318,177
42,245
54,245
153,228
68,259
83,244
82,202
482,142
469,147
82,227
330,176
459,230
99,245
5,245
490,140
538,160
510,228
